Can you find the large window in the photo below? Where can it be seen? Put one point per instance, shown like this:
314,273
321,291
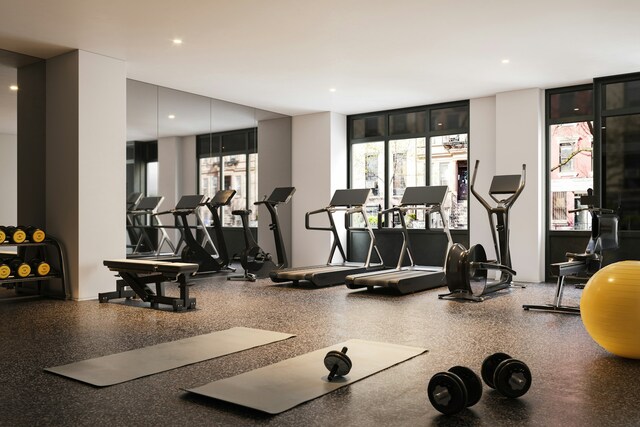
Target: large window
142,167
570,156
229,161
393,150
620,137
594,142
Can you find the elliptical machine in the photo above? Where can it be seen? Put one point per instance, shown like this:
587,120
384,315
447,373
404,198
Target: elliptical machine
466,271
256,262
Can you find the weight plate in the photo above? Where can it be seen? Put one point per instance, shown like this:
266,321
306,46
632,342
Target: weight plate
489,366
37,236
512,378
477,276
43,269
19,236
339,359
456,268
472,383
447,393
5,271
3,236
24,270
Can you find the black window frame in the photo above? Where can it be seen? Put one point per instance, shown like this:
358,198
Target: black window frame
213,145
428,133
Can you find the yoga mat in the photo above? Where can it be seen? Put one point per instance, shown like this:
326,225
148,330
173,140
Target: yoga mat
284,385
129,365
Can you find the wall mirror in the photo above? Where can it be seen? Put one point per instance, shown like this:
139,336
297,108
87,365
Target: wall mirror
10,64
180,143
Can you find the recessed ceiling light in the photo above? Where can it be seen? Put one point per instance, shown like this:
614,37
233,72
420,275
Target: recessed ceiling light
171,116
505,61
576,109
13,87
177,41
439,124
333,89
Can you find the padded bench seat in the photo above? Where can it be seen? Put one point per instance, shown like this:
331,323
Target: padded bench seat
138,274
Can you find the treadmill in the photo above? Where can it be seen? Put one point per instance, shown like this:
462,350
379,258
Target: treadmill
412,278
147,206
349,202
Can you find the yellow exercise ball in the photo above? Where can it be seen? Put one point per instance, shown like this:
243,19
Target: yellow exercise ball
610,308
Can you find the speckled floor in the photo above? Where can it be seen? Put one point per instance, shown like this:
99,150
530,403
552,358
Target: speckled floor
575,382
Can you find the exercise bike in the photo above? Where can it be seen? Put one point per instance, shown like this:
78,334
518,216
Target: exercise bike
257,263
604,237
466,271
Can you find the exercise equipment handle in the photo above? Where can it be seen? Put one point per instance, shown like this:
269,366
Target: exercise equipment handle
523,179
307,223
472,188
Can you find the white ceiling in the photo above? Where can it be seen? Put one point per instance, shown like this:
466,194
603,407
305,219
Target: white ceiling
285,55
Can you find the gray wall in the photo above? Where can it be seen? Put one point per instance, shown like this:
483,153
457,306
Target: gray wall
32,145
274,170
8,179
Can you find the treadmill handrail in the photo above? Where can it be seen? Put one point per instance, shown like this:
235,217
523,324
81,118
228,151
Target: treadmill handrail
429,209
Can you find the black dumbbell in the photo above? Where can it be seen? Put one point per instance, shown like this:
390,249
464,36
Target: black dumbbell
35,234
19,268
452,391
5,270
511,377
16,234
40,268
338,363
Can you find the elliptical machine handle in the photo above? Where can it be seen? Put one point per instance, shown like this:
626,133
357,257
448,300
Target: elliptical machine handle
474,192
491,266
523,181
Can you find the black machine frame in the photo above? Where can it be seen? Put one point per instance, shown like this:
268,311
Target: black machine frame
349,202
258,264
411,278
467,270
138,274
604,237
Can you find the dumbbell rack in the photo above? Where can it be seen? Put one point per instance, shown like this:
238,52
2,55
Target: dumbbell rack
49,250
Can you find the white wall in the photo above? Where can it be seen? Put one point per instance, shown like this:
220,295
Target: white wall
86,130
170,179
318,169
506,131
274,170
482,143
520,139
189,180
9,179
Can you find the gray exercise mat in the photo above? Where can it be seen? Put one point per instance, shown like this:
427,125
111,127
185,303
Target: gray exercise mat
129,365
283,385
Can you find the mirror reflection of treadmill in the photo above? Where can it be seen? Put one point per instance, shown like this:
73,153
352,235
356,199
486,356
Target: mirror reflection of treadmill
343,201
138,230
412,278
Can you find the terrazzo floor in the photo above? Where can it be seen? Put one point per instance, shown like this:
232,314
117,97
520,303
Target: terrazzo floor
575,382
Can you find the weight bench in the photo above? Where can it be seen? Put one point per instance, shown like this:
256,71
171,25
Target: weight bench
138,274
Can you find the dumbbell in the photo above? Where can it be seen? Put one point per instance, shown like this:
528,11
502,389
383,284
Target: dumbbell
35,234
5,270
511,377
40,268
19,267
452,391
16,234
338,363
